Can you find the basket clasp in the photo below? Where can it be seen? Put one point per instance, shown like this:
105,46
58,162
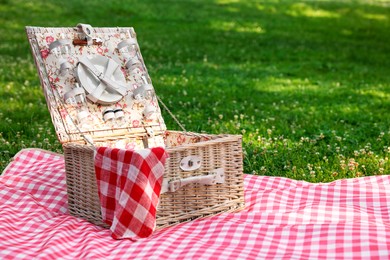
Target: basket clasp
216,176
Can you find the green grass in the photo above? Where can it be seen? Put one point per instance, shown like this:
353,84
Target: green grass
307,83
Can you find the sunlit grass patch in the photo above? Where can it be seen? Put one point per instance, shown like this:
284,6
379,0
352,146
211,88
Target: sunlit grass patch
306,83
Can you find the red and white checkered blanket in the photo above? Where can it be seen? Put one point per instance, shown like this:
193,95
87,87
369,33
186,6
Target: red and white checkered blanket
284,219
129,184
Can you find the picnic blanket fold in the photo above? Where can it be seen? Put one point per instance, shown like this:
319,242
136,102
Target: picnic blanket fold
129,185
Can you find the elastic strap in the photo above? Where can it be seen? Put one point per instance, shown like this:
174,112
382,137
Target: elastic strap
96,94
115,86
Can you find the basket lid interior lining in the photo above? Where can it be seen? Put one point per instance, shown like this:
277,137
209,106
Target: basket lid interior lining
57,83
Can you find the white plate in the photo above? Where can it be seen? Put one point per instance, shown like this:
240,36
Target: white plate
89,81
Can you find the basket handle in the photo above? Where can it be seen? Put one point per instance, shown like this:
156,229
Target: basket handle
216,176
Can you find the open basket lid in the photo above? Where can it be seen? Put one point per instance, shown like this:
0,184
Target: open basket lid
95,82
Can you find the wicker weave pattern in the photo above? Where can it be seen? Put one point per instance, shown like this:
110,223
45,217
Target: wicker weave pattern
189,202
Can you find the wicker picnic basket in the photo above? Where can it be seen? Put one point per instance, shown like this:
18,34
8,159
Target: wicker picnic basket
203,175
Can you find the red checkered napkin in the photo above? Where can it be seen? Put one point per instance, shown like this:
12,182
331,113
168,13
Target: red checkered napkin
129,185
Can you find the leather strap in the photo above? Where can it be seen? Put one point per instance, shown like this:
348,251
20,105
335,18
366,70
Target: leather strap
87,31
217,176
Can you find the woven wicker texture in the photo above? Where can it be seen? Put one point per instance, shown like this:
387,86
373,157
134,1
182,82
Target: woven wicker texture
187,203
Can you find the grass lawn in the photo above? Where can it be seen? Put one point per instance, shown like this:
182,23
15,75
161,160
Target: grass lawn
307,83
